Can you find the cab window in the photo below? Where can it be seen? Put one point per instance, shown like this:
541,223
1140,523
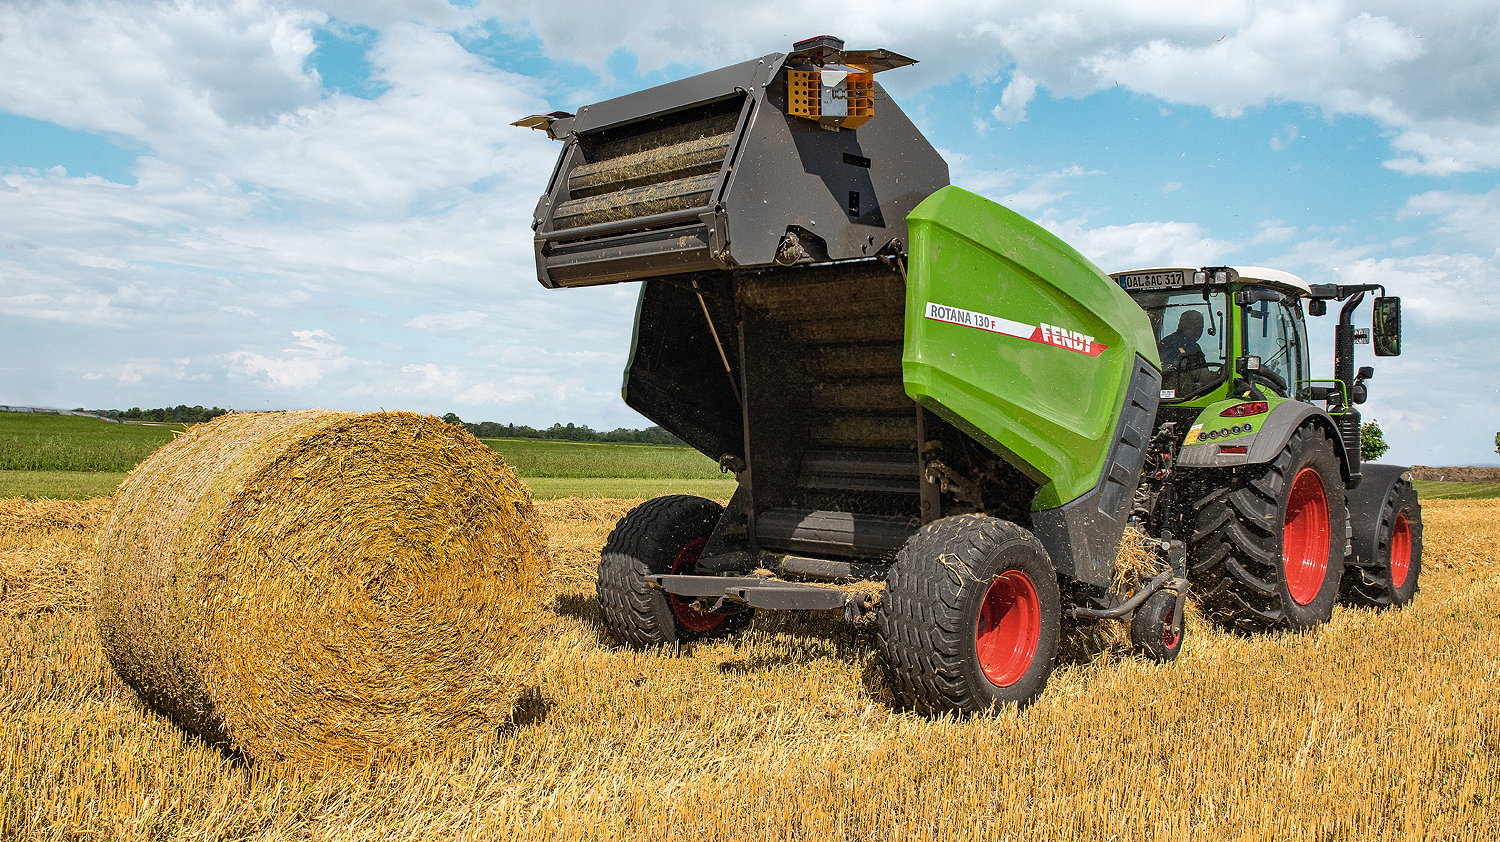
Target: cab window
1189,328
1274,332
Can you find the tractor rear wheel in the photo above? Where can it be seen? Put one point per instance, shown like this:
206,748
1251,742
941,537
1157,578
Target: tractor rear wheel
664,535
1265,552
970,617
1390,579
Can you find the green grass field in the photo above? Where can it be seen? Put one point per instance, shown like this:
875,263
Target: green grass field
581,460
68,443
66,457
1457,490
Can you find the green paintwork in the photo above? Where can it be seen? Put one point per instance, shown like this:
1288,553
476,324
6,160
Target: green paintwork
1049,411
1210,419
1233,320
1343,394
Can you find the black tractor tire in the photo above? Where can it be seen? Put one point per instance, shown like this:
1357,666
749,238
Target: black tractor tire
662,535
970,617
1391,581
1154,630
1253,568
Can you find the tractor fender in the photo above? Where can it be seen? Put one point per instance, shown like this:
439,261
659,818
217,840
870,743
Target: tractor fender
1365,501
1270,438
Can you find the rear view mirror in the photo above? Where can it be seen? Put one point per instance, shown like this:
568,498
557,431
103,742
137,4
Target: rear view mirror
1387,326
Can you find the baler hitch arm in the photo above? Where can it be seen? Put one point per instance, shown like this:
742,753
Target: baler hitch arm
1175,577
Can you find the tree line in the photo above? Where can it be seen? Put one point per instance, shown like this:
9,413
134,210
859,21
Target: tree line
179,414
565,432
1372,438
183,414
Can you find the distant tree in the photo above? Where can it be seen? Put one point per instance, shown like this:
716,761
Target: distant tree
568,432
450,418
1371,441
1497,442
180,413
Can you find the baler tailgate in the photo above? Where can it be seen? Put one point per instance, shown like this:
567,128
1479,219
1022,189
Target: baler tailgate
1018,339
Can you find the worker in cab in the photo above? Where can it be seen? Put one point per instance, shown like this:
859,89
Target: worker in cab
1180,350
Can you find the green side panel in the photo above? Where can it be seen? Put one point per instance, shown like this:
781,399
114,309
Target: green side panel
1018,340
1212,427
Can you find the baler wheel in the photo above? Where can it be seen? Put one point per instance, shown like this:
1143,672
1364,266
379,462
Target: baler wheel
1154,629
663,535
1392,582
1264,552
970,617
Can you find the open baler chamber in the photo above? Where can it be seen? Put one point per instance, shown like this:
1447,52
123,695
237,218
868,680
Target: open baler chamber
756,164
781,331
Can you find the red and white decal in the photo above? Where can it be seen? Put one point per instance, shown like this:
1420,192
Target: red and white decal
1058,337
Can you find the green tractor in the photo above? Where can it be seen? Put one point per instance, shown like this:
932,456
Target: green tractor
942,418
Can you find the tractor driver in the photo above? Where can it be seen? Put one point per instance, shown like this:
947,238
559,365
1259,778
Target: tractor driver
1179,350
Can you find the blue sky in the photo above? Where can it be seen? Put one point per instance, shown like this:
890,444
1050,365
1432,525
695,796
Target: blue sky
290,204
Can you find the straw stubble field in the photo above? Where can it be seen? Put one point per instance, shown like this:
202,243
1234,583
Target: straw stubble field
1377,726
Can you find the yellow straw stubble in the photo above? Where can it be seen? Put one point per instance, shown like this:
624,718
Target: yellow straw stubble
324,588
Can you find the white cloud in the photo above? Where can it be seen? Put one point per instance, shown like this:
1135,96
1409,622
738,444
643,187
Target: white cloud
1447,147
262,205
1441,289
1469,218
1426,72
1139,245
133,372
1018,94
1285,138
313,356
147,70
465,320
441,124
1019,190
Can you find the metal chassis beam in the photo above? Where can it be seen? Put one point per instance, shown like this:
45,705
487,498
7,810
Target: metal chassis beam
758,592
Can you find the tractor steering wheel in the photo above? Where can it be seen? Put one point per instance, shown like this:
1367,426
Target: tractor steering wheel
1270,378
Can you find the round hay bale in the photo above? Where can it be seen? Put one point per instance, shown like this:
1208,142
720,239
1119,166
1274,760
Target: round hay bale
323,587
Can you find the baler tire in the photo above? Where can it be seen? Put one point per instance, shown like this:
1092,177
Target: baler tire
970,617
662,535
1237,554
1151,629
1377,586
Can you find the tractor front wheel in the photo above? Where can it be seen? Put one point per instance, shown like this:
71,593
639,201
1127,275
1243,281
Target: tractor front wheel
1268,542
664,535
1156,630
970,617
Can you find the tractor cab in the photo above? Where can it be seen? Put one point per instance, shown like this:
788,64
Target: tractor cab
1216,325
1233,345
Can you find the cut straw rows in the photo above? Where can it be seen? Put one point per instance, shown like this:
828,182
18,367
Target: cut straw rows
1378,726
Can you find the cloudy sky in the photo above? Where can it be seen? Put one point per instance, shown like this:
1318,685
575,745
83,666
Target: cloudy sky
262,204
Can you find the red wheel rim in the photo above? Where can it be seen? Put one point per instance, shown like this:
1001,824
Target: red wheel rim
1170,638
1400,551
1304,537
1009,627
690,617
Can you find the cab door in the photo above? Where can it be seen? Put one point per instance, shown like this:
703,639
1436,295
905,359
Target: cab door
1274,331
